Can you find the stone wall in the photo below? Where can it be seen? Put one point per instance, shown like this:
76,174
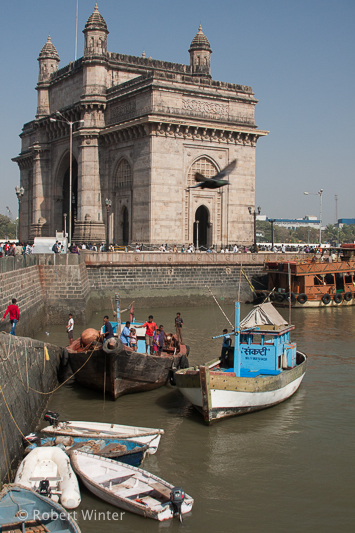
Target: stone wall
26,378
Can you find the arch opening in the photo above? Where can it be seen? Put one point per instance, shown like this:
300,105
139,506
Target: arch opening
202,228
125,225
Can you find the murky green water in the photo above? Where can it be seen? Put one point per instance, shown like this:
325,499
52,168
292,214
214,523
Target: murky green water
289,468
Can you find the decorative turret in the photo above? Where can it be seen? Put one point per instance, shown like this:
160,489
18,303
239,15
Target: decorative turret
48,63
200,55
95,34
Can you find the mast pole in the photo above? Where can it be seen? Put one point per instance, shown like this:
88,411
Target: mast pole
237,339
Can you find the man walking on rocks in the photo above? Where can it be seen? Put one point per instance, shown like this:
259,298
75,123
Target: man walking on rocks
14,314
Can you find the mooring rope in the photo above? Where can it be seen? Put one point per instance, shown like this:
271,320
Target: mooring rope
224,314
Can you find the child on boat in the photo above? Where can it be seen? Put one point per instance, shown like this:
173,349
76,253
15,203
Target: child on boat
161,339
133,338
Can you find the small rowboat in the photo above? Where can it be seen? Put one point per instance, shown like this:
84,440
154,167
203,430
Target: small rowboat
48,471
101,430
126,451
23,510
130,488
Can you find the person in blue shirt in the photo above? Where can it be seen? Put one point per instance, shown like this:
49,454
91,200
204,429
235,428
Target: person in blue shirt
225,346
108,331
126,334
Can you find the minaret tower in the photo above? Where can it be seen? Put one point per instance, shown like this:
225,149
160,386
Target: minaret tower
95,35
48,63
200,55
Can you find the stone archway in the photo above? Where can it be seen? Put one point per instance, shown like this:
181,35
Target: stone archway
202,228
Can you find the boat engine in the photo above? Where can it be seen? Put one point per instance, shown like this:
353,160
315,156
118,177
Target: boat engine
30,439
52,418
177,496
44,488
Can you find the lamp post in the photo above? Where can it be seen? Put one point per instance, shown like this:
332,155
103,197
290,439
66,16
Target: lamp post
254,214
20,191
272,220
319,193
65,224
197,223
108,205
70,124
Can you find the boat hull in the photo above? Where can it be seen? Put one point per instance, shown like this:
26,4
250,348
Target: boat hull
220,395
121,373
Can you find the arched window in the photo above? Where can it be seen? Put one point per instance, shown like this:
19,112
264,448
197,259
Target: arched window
124,175
204,166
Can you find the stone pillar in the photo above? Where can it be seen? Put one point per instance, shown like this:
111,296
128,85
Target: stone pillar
39,225
89,225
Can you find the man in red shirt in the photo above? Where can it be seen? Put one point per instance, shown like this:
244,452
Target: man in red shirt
149,333
14,314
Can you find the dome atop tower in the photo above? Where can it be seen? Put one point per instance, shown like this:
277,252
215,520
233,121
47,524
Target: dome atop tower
49,51
96,21
200,41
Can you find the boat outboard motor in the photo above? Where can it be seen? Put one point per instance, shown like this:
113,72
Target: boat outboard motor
52,418
44,488
30,439
177,496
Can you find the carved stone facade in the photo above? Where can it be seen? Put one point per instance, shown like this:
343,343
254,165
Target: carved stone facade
141,128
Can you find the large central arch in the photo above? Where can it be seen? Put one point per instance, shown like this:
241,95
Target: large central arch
202,233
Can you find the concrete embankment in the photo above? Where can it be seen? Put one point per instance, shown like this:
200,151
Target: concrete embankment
27,378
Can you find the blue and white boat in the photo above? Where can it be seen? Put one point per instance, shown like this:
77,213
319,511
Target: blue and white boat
262,370
126,451
22,509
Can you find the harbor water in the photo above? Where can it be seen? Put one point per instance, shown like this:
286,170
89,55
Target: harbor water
288,468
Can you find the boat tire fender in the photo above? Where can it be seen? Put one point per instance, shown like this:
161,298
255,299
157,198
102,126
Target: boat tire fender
292,297
348,296
338,298
326,299
302,298
279,298
187,350
112,346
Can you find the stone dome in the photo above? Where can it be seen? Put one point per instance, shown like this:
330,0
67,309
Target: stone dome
96,21
49,51
200,41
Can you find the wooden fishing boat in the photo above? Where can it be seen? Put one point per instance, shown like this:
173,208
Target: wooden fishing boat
130,488
23,510
101,430
126,451
48,471
262,370
118,369
314,282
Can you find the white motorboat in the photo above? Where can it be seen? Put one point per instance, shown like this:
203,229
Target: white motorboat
130,488
101,430
47,470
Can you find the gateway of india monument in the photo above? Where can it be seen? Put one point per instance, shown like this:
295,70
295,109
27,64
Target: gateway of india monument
137,129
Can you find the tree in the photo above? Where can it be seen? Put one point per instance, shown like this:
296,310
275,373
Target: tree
7,228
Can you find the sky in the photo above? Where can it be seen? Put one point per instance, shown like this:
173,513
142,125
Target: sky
297,55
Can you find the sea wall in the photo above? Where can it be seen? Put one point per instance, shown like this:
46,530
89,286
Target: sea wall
26,379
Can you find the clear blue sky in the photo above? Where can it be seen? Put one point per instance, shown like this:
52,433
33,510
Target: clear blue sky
297,55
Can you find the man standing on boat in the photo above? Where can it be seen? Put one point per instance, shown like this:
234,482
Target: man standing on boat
149,334
126,334
178,327
108,331
225,346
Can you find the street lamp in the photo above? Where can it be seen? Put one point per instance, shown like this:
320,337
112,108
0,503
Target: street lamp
108,205
254,214
320,192
70,124
272,220
65,224
20,191
197,223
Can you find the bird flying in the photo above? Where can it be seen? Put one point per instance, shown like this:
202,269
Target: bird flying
216,181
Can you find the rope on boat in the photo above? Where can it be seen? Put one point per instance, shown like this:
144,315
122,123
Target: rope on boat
224,314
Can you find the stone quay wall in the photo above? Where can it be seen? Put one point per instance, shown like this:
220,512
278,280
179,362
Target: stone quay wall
26,381
49,286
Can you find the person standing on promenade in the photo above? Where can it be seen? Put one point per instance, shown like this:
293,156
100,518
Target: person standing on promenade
14,314
178,327
149,334
70,328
